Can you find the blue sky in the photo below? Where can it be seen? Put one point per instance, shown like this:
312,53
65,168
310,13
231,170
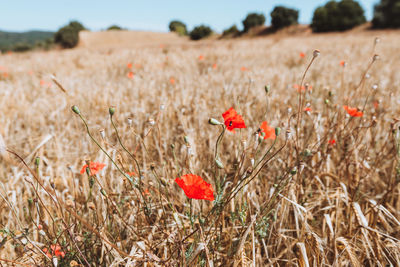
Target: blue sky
150,15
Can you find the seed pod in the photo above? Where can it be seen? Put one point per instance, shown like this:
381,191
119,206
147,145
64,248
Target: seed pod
111,110
76,109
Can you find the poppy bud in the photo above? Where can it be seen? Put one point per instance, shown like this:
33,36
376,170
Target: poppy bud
37,161
129,122
91,182
186,139
103,192
76,109
307,153
288,133
277,131
316,53
111,110
172,146
213,121
267,88
293,171
151,122
87,171
327,101
376,57
374,87
219,164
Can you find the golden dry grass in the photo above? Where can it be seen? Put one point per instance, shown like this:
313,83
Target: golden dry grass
340,208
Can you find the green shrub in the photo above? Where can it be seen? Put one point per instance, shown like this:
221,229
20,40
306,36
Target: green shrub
337,16
232,31
282,17
21,47
253,20
68,36
114,28
178,27
200,32
387,14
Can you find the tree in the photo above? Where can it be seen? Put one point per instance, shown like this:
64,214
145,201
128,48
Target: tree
114,28
387,14
337,16
200,32
232,31
68,36
282,17
178,27
253,20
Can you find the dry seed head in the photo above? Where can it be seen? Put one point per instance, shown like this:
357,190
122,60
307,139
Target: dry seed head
102,134
151,122
316,53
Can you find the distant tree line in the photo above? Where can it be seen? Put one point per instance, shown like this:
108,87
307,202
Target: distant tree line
333,16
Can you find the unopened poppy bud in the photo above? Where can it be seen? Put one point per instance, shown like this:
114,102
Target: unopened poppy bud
213,121
186,139
76,109
327,101
172,146
330,93
163,181
37,161
111,110
293,171
87,171
376,57
152,166
374,87
277,131
219,164
91,182
129,122
151,122
316,53
103,192
267,88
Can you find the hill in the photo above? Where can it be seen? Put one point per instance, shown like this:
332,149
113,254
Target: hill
9,39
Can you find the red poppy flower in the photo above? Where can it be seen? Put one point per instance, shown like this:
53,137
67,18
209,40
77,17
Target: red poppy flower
233,120
172,81
201,57
130,75
302,55
55,251
269,131
308,109
129,65
331,142
244,69
195,187
214,66
343,63
376,104
131,173
354,112
95,167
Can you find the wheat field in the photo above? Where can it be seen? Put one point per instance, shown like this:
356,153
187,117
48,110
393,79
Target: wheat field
325,192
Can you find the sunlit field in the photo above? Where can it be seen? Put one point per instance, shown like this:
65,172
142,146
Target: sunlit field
318,185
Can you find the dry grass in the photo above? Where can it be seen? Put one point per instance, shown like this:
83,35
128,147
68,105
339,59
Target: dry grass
341,206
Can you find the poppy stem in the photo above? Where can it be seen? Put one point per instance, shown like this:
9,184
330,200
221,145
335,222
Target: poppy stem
130,154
